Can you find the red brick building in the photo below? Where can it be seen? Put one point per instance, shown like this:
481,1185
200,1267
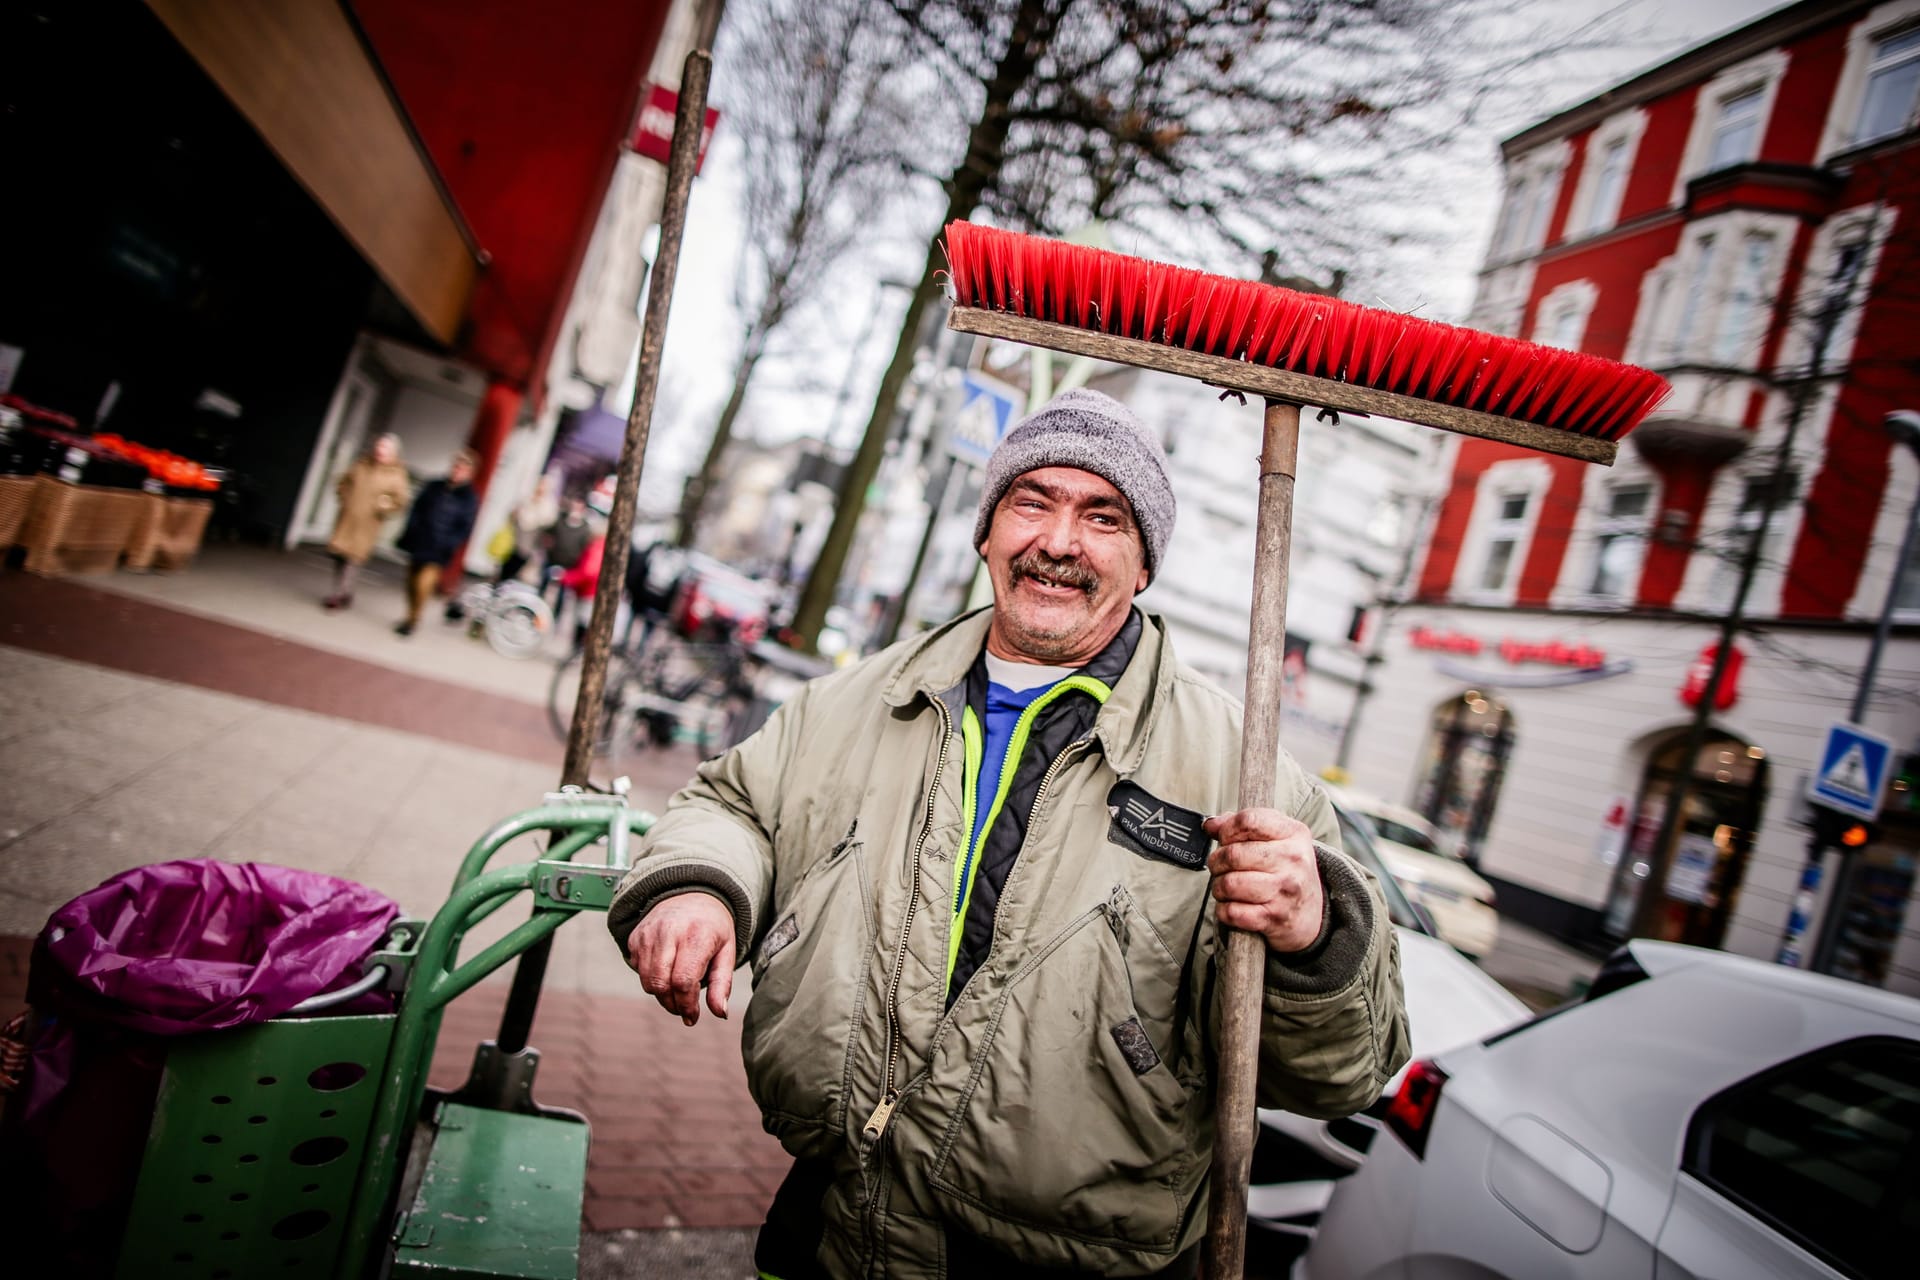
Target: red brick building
1741,219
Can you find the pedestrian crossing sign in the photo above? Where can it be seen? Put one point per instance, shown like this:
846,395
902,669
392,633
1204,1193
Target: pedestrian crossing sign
987,410
1854,767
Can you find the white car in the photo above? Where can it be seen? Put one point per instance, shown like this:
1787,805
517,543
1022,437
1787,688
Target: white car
1449,1002
1460,901
1700,1116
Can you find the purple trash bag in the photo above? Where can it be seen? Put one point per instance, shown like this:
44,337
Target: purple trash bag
199,945
172,949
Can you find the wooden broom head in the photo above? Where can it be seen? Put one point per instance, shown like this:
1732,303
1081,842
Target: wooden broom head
1308,334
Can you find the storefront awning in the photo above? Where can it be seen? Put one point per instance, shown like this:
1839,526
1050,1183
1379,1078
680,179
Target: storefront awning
299,73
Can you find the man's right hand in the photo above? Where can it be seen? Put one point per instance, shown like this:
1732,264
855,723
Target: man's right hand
685,939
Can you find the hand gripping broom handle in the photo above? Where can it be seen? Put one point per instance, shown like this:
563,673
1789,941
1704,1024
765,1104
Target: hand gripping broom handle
1243,977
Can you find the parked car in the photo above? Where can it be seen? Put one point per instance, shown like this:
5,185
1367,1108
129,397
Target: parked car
1699,1115
1461,902
1449,1001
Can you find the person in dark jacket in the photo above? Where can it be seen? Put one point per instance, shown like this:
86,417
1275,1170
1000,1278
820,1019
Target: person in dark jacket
438,525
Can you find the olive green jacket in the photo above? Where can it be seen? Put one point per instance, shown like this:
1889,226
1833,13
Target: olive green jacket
1062,1109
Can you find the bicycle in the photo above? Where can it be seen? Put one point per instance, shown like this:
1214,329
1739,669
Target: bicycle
672,691
515,620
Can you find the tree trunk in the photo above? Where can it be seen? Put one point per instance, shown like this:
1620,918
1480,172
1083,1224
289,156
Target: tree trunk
986,151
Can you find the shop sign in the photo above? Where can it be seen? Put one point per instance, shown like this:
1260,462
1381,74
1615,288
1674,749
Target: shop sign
653,133
1694,687
1552,653
1692,871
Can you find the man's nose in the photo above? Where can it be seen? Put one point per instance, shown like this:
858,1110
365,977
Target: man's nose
1060,535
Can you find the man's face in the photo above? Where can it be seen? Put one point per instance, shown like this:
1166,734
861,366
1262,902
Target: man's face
460,473
384,450
1066,561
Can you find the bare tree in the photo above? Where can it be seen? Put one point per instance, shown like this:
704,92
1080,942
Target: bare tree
818,95
1222,129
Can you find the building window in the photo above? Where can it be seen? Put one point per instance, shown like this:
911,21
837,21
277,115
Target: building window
1699,282
1893,85
1504,534
1733,551
1736,130
1608,187
1744,314
1533,185
1621,537
1819,1150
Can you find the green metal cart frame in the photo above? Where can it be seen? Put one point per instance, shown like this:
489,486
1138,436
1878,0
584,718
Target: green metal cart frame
310,1146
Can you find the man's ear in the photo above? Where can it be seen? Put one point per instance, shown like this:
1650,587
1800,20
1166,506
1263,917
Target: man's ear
1141,583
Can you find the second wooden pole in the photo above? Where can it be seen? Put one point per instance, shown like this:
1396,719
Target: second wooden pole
1245,954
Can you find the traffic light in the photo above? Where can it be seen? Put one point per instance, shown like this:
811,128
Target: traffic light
1838,830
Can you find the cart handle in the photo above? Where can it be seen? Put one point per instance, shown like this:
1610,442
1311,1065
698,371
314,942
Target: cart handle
375,978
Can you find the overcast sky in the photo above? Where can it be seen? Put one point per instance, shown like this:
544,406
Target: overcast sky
705,332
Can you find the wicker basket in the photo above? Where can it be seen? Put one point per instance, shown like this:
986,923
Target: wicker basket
77,528
169,533
16,498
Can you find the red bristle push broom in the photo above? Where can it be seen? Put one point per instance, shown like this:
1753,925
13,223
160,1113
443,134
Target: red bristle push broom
1291,349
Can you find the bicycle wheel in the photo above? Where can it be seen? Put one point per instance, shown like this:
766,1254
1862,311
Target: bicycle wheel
617,705
518,626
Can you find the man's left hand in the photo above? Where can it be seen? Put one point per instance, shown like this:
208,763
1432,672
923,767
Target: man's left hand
1266,878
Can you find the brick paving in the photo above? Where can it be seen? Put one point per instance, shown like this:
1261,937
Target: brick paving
677,1142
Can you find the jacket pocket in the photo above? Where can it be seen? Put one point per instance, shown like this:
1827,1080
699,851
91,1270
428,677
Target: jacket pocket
809,986
1073,1131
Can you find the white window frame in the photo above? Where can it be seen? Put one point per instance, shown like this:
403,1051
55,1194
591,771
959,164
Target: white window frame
1883,569
1509,478
1561,318
1608,526
1868,224
1592,523
1592,213
1763,73
1667,291
1532,183
1850,91
1501,302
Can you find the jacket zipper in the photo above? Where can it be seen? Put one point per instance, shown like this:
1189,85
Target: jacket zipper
890,1097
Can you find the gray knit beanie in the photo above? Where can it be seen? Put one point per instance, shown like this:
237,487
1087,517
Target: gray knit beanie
1090,431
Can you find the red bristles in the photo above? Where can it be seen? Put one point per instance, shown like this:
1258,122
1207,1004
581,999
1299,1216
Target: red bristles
1323,337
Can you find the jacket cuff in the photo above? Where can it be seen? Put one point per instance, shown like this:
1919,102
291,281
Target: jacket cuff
647,886
1339,955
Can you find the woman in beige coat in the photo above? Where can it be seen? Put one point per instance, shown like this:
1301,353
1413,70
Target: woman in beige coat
372,489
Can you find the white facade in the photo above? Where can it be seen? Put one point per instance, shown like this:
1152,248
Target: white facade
1580,748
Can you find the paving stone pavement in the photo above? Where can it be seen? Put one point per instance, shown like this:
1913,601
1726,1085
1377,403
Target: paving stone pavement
131,732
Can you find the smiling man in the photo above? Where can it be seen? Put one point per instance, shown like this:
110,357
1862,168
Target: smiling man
978,879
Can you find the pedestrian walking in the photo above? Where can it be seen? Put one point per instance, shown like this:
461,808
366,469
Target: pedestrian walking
373,488
565,543
528,523
982,877
437,527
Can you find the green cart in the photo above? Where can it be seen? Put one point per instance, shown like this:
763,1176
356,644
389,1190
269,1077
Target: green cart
311,1146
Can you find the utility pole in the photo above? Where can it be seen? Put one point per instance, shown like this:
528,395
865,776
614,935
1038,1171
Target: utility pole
1653,893
1904,428
1388,604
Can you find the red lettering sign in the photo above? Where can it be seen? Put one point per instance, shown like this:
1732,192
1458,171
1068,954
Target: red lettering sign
653,132
1445,641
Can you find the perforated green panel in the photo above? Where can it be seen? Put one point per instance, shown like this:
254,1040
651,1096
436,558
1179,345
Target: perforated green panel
257,1141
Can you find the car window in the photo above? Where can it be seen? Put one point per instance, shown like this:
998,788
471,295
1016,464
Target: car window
1401,833
1820,1149
1359,846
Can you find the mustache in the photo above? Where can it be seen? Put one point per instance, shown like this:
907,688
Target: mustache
1069,573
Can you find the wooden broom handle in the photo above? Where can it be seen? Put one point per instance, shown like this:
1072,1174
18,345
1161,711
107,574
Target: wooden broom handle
1244,964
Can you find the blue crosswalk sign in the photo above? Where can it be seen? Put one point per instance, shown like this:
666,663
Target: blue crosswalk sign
987,410
1853,772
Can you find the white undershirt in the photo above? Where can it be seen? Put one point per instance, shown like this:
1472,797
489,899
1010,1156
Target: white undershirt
1019,676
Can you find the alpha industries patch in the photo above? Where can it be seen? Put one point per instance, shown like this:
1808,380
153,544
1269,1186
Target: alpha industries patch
1151,826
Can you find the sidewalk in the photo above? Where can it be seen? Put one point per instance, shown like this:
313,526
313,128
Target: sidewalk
133,733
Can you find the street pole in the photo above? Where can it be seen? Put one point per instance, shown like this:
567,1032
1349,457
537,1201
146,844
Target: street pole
517,1020
1904,427
1653,894
1389,604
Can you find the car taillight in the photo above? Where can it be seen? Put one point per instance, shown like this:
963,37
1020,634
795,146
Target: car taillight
1410,1114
